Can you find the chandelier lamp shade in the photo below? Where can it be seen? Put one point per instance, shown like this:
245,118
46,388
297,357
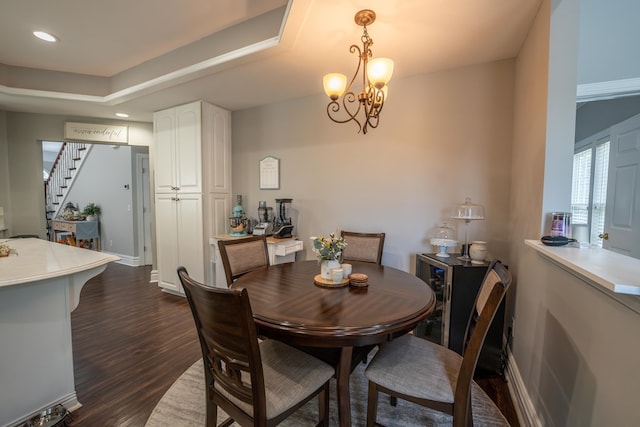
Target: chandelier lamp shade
363,107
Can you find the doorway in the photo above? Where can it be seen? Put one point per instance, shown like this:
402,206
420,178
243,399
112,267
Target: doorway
145,249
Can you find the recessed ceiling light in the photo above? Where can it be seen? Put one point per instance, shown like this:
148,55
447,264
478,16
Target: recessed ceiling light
45,36
122,115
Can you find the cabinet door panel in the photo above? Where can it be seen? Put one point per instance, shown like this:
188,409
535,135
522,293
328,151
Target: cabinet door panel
163,126
190,241
188,148
167,242
219,152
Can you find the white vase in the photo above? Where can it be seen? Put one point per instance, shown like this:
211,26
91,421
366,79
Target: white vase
478,251
90,218
325,268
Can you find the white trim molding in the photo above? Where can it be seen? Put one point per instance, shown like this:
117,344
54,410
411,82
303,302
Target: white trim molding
131,261
524,408
607,90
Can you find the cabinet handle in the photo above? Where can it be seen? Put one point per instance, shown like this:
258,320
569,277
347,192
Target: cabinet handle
174,198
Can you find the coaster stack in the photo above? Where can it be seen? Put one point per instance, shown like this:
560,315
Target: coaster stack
358,280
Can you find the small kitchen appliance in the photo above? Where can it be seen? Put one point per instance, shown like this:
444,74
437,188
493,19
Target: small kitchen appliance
282,224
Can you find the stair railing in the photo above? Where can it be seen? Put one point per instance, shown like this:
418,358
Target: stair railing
63,172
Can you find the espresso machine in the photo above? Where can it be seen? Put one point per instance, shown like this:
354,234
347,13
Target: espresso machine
282,224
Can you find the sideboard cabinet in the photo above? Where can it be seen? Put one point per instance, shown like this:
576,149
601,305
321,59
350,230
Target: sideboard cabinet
456,284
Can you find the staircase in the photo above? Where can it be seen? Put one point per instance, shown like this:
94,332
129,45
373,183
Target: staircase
63,173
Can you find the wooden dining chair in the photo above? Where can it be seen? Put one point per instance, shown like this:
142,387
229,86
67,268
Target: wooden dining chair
257,383
431,375
365,247
240,256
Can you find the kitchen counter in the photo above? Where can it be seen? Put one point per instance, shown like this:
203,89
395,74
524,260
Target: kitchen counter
40,284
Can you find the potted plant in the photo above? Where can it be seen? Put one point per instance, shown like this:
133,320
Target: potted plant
91,211
328,250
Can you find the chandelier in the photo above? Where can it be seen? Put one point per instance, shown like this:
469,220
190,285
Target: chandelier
376,73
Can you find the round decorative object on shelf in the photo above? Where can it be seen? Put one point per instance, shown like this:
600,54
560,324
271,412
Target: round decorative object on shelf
478,251
444,238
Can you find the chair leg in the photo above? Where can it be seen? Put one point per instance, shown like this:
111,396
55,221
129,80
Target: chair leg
212,413
323,406
372,404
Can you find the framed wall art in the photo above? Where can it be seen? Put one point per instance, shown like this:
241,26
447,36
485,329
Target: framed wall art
270,173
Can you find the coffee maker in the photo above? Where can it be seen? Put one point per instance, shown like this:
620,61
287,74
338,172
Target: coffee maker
282,224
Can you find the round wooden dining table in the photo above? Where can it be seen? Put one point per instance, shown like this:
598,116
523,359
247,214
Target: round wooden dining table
337,324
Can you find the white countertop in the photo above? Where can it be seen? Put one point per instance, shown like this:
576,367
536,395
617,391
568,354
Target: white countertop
613,271
36,259
270,239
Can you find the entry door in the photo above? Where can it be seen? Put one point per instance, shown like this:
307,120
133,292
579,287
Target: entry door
622,213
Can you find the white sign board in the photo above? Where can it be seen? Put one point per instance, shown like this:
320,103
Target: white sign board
93,132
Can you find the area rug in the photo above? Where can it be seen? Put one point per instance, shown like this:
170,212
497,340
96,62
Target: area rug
183,405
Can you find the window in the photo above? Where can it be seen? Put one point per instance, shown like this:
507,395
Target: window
589,189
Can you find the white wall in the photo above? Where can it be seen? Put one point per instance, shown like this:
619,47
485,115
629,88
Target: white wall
442,137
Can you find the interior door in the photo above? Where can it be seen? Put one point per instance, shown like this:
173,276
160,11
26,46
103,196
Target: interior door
146,211
622,213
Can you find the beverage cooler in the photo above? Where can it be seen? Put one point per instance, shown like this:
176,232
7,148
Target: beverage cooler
456,283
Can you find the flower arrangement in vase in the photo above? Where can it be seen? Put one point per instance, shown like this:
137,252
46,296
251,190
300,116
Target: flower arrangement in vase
328,250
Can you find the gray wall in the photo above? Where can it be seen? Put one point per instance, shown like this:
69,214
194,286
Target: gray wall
4,168
442,137
609,34
25,191
574,347
596,116
101,180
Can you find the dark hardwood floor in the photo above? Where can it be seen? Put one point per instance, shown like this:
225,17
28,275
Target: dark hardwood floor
131,342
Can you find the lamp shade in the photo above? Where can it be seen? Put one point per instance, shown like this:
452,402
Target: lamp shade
379,71
468,211
334,85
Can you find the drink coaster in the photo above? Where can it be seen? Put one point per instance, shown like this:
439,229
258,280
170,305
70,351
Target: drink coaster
320,281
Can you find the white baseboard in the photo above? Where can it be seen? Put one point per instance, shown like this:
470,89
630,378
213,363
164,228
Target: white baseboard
128,260
525,410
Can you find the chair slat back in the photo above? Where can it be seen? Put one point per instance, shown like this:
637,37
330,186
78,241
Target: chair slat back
228,340
496,282
240,256
365,247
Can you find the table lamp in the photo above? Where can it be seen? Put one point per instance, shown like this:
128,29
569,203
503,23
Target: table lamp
467,212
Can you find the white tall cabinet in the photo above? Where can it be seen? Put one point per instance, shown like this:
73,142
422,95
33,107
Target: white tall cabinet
192,184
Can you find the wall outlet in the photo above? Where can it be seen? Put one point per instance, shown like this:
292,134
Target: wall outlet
110,243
